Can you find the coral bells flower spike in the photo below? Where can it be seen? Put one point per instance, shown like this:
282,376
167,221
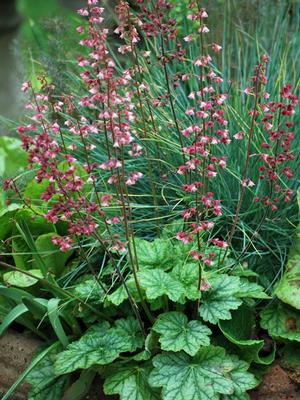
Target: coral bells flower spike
64,243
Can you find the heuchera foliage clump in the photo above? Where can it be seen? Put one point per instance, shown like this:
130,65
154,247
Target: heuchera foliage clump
92,149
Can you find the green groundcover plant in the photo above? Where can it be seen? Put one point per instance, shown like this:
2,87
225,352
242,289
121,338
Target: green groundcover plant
117,247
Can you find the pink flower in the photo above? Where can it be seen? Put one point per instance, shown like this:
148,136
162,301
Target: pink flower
203,29
216,47
64,243
106,199
133,178
248,90
188,38
219,243
119,246
184,237
25,86
238,135
83,12
113,221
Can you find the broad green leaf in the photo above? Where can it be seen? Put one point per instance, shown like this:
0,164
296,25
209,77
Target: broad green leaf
130,328
281,321
242,381
100,345
288,288
13,159
6,217
120,295
80,388
45,385
151,345
217,301
239,331
154,254
202,377
243,272
54,259
16,278
170,229
251,289
34,190
179,334
131,382
36,225
88,289
187,274
157,282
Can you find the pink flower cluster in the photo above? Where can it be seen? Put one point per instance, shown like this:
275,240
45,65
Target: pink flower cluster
52,145
277,150
208,131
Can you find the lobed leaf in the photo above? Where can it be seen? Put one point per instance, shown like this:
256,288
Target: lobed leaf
131,382
202,377
281,321
157,282
222,297
178,334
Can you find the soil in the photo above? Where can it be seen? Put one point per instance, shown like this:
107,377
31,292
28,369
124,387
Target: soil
277,385
16,351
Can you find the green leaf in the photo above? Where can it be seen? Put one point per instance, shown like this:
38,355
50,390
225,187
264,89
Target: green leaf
131,382
202,377
281,321
179,334
89,290
45,385
16,278
81,386
16,312
187,274
28,226
130,328
54,318
157,282
100,345
120,295
288,288
154,254
34,190
54,259
242,381
217,301
13,159
252,290
239,331
6,217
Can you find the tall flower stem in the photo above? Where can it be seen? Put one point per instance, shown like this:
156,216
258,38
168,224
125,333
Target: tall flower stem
248,154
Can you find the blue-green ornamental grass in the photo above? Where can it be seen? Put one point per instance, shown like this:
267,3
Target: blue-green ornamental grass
146,236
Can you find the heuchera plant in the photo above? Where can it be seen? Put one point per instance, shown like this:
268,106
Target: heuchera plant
177,319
